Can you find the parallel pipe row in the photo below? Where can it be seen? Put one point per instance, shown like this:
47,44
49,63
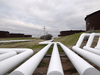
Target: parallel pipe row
83,67
7,55
55,66
30,65
91,54
11,62
89,43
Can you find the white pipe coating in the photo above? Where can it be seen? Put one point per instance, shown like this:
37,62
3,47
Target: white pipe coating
7,55
46,42
89,43
15,41
93,50
79,42
90,40
27,68
88,55
11,62
55,66
98,44
18,50
83,67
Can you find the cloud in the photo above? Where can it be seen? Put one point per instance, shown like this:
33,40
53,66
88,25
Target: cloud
29,16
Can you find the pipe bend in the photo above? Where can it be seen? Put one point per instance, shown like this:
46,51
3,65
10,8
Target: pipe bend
85,34
95,34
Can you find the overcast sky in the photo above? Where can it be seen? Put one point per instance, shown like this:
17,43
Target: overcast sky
30,16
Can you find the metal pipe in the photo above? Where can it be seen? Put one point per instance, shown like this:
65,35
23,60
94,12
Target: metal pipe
55,66
15,41
27,68
90,40
7,55
93,50
98,44
83,67
11,62
88,55
18,50
89,43
81,38
46,42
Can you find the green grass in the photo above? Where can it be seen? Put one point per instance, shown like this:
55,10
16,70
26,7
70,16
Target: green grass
51,48
42,64
71,40
68,40
22,38
60,49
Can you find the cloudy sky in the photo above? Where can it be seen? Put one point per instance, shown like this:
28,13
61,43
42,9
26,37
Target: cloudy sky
30,16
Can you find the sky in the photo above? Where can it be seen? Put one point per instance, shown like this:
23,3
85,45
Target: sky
30,16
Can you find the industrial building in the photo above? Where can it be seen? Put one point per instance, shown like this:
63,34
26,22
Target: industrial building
93,21
27,35
16,35
6,34
69,32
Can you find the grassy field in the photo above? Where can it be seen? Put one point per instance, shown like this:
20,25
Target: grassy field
69,41
1,39
32,44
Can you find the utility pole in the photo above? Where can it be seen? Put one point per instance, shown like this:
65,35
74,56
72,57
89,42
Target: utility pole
44,32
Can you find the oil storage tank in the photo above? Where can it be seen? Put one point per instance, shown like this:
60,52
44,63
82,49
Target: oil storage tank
93,21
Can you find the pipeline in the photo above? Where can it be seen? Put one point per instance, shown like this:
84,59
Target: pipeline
89,43
81,38
7,41
83,67
55,67
27,68
7,55
94,58
7,64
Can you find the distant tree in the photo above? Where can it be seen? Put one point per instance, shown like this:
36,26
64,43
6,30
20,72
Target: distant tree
46,37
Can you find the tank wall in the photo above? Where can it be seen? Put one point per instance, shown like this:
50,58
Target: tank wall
93,21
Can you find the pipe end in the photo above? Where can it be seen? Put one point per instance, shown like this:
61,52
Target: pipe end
16,73
55,73
91,71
